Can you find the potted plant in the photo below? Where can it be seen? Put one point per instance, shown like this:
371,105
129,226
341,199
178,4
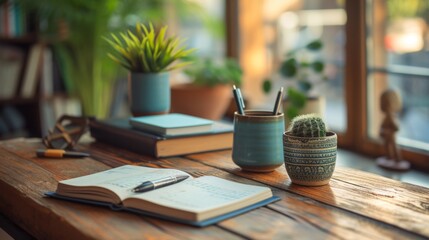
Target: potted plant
303,66
310,151
209,93
149,56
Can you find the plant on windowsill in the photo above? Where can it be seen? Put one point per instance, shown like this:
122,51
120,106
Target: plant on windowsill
208,95
304,67
149,56
309,151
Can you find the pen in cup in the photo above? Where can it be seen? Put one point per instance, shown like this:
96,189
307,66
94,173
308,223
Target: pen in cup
238,100
159,183
278,101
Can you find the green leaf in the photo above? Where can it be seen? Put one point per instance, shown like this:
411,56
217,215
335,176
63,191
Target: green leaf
145,64
288,68
146,32
318,66
133,37
315,45
267,86
161,35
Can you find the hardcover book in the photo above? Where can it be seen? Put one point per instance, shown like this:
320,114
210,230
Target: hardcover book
120,133
196,201
172,124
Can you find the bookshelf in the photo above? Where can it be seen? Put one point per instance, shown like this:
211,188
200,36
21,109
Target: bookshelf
31,84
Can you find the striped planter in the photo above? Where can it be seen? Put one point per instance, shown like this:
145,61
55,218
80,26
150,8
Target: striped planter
310,161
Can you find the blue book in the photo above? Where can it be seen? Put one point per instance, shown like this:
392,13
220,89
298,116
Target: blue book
173,124
198,201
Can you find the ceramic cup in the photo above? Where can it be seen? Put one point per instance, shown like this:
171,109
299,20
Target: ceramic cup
149,93
258,145
310,161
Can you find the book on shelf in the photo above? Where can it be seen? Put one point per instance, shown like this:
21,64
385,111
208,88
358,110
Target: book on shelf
120,133
196,201
11,64
47,81
172,124
33,71
12,19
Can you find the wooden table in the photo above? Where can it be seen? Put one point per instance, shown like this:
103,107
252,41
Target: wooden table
355,205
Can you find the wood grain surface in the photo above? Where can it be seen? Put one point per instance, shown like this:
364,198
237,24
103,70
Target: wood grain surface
355,205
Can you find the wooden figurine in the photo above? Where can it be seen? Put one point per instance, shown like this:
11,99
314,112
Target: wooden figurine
390,104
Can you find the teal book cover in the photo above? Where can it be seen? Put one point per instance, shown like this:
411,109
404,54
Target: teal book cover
172,124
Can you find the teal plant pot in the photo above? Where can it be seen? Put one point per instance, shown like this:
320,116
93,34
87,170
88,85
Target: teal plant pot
149,93
257,142
310,161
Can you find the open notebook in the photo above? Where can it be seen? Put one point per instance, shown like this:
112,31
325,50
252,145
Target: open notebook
196,201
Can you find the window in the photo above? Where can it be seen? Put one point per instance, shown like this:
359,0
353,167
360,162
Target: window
288,25
382,44
371,67
398,58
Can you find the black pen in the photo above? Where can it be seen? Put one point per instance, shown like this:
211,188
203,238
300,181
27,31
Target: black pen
278,101
238,100
59,153
159,183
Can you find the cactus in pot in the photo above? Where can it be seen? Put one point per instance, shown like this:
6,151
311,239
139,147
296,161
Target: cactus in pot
309,151
309,125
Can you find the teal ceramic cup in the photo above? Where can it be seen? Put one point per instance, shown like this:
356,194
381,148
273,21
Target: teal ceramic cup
258,144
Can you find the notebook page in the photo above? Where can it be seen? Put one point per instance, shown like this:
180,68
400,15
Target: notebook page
201,194
123,179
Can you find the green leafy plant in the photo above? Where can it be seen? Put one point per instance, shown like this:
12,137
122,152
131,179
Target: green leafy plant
309,125
147,50
206,72
88,72
304,71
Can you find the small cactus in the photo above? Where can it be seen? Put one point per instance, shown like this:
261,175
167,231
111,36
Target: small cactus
309,125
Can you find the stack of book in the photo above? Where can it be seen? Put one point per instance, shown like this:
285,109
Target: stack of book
164,135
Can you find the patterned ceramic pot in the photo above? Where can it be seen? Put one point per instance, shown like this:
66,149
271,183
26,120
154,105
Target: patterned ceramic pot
310,161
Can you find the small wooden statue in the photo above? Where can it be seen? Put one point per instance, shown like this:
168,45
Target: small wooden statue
390,104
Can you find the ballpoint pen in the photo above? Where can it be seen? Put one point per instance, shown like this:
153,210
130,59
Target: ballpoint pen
159,183
238,100
278,101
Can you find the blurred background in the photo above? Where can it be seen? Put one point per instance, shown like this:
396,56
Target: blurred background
53,59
